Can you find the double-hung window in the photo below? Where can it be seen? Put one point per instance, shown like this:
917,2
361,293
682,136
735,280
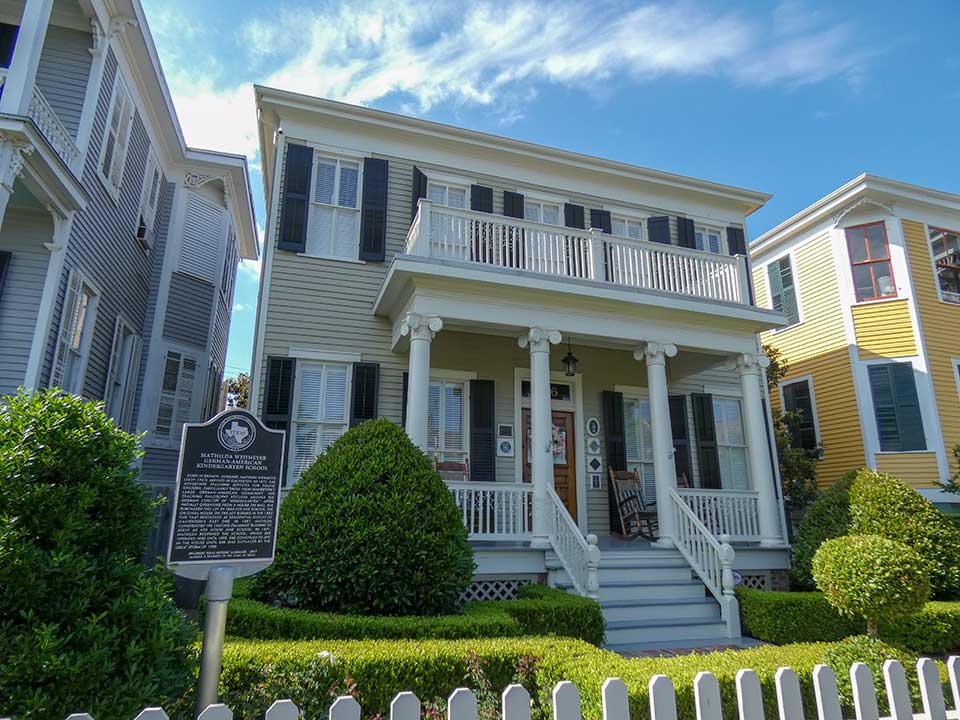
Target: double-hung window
707,239
626,227
320,413
116,136
896,407
638,433
176,395
541,212
945,246
447,419
122,374
149,197
870,261
731,443
333,229
454,196
783,289
73,339
798,400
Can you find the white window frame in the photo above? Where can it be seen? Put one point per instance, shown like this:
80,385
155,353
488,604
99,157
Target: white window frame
172,439
127,119
933,262
541,200
706,228
463,378
955,364
126,387
726,482
149,200
339,159
765,269
86,330
436,182
640,395
322,423
630,216
813,399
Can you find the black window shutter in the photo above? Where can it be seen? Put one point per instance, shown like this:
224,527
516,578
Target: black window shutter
481,198
278,399
658,229
512,204
707,453
573,216
8,39
736,243
896,408
483,431
373,210
366,388
601,219
797,399
681,439
403,399
419,190
616,446
5,259
686,236
295,204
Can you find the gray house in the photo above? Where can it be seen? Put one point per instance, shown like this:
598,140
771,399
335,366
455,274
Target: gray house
119,244
572,340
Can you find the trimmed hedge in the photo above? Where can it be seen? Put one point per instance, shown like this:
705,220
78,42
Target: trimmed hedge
790,617
828,517
539,610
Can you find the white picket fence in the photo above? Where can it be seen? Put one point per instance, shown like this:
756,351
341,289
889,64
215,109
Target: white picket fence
515,701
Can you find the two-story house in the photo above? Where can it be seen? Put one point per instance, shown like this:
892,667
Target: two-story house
536,319
869,279
118,243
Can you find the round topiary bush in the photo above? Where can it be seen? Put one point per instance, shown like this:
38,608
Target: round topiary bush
882,505
870,577
873,652
370,529
828,517
82,626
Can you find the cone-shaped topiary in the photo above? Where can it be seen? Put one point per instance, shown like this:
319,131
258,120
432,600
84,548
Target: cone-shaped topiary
882,505
871,577
370,529
828,517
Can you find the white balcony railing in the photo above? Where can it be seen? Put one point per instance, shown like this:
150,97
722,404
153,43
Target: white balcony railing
513,244
734,513
495,511
49,123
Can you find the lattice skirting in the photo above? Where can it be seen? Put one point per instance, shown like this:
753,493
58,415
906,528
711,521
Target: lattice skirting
755,580
494,589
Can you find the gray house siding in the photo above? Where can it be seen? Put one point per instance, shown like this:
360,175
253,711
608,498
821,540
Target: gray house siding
188,310
63,71
23,235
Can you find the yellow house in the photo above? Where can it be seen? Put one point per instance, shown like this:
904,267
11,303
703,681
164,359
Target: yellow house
869,278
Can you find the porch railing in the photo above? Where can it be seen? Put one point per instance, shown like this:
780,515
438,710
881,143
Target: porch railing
735,513
49,123
495,511
515,244
579,555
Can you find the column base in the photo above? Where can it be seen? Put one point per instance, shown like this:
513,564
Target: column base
664,542
540,542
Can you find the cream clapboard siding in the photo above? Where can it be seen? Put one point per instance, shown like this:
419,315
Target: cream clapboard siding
884,330
940,322
818,347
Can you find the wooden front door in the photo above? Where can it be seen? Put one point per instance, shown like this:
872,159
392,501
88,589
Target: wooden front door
564,457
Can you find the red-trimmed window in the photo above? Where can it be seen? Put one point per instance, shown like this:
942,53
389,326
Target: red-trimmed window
870,261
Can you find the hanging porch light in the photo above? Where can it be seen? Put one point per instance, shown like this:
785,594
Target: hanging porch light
569,362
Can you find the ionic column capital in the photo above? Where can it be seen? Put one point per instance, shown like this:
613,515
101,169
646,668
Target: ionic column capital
655,353
748,363
539,340
421,327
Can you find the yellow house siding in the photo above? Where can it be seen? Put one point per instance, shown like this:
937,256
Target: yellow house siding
940,322
818,347
916,469
884,330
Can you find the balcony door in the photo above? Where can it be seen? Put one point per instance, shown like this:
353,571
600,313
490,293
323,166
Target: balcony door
564,449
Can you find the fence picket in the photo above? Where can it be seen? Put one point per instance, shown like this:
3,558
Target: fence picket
219,711
749,695
898,693
826,692
616,700
663,699
864,694
282,710
345,707
515,703
462,705
566,701
789,699
405,706
706,696
79,716
953,670
931,692
152,713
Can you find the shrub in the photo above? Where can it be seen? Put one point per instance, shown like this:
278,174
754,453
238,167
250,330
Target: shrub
882,505
81,625
369,529
873,652
541,610
828,517
870,577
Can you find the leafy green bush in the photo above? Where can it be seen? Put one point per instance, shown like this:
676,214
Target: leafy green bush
370,529
873,652
935,629
541,610
882,505
828,517
81,625
870,577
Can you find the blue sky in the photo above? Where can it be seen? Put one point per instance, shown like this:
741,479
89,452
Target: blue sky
792,98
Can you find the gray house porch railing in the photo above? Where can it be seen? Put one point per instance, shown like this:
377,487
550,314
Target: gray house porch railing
48,122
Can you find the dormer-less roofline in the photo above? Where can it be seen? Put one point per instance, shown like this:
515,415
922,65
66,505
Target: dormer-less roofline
268,99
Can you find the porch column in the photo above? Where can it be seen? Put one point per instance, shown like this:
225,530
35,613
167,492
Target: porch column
18,86
421,330
541,429
749,366
664,470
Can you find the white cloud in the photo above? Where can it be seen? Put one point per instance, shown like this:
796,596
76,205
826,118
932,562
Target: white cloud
250,269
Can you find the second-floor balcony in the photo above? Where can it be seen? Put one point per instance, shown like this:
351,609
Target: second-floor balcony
510,244
49,124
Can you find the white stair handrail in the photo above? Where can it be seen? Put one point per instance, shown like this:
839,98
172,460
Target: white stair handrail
711,559
579,555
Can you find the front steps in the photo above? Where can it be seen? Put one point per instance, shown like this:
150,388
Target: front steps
651,597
